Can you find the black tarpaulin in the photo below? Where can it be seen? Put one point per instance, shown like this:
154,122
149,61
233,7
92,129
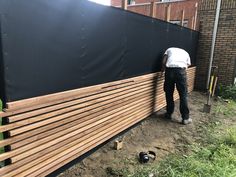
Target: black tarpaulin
53,46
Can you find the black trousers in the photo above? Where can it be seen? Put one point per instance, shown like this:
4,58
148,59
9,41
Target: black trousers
176,76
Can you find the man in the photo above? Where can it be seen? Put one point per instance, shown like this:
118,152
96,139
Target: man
175,62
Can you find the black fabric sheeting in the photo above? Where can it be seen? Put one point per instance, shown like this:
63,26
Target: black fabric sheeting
55,46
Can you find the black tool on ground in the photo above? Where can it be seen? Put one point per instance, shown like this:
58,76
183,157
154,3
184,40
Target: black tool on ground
144,157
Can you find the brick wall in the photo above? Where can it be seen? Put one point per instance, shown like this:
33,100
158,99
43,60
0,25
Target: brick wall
118,2
115,2
225,49
176,9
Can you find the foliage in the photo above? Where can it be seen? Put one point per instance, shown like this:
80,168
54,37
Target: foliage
228,92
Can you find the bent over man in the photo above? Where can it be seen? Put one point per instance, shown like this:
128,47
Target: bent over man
175,62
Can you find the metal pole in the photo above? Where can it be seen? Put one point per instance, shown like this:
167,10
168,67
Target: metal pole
213,41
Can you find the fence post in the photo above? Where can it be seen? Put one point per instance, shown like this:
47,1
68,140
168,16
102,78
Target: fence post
153,9
168,9
193,20
182,17
124,4
195,16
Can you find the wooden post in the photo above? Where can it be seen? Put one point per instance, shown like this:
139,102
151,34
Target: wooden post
168,10
153,9
124,4
182,17
118,144
195,16
192,25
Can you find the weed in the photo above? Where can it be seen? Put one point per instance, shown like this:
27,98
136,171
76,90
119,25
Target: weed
227,109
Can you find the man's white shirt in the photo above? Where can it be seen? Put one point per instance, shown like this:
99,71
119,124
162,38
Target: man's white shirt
177,58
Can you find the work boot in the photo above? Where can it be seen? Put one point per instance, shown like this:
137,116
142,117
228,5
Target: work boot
187,121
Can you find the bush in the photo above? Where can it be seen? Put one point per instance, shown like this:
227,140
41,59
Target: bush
228,92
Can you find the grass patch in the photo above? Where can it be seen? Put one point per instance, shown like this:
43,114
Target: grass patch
225,108
217,159
230,138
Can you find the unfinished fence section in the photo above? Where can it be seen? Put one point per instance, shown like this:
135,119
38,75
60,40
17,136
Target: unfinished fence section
75,74
47,132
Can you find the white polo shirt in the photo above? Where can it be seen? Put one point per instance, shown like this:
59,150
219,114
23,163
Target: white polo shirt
177,58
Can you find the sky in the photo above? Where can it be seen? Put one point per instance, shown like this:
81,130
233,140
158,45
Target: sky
104,2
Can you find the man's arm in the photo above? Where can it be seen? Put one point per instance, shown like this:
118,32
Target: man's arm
164,60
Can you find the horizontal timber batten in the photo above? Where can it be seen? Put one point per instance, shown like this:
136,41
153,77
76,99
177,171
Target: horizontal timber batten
49,131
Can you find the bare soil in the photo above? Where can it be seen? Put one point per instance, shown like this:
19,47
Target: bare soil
155,133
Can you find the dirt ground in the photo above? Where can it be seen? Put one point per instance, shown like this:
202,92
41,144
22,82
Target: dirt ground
155,134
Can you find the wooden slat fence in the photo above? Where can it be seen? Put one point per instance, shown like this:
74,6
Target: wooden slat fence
49,131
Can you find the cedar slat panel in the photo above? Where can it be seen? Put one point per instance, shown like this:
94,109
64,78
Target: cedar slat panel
79,121
79,127
53,119
98,97
100,137
30,104
49,131
57,118
55,150
51,99
175,96
95,111
68,110
27,150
